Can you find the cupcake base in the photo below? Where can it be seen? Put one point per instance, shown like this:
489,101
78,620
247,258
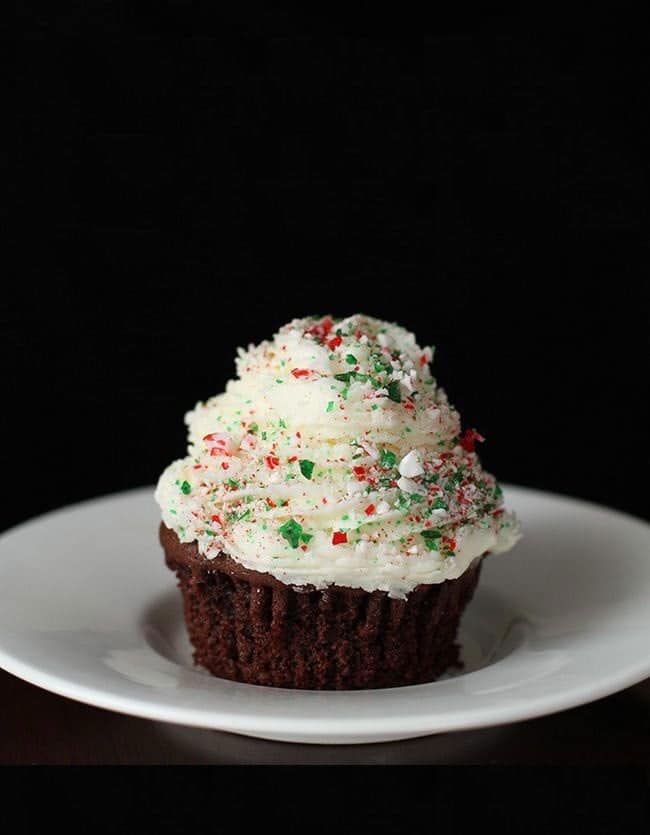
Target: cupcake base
248,626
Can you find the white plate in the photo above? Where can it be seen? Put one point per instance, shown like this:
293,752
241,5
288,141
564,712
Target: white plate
89,610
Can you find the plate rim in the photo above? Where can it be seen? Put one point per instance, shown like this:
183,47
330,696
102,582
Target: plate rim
258,724
250,724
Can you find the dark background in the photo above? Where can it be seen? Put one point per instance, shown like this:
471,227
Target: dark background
181,189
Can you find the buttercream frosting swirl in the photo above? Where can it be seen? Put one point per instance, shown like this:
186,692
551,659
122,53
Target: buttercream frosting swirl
335,457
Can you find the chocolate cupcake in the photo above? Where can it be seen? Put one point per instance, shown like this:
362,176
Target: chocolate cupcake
328,523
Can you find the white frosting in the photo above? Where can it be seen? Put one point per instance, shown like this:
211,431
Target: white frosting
363,481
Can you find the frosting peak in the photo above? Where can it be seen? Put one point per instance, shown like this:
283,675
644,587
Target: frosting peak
336,458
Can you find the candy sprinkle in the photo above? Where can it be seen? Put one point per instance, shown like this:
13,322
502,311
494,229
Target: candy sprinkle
294,534
359,472
431,538
393,391
306,467
339,537
186,488
387,459
468,438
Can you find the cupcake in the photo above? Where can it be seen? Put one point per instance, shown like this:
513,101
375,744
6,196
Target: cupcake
328,523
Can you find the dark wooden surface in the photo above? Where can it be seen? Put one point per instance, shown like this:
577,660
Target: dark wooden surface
37,727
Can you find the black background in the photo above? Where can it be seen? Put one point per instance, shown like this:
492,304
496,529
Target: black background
181,189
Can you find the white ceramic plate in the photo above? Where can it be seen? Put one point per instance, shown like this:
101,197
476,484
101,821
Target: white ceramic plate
89,610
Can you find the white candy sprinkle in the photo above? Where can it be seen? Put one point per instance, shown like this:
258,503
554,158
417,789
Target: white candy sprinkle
409,486
370,449
411,465
382,507
407,383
